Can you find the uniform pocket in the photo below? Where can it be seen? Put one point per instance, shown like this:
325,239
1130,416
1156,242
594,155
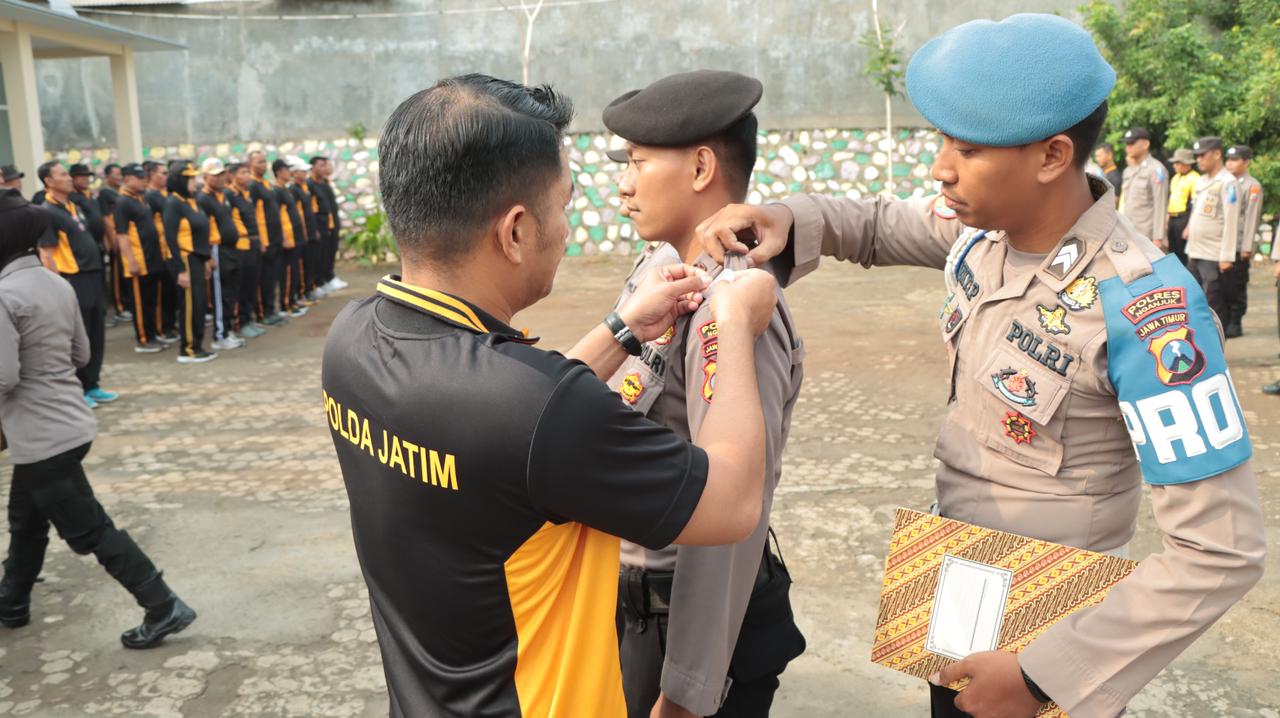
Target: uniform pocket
1023,398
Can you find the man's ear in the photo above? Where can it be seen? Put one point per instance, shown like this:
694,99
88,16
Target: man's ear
514,235
1057,158
705,168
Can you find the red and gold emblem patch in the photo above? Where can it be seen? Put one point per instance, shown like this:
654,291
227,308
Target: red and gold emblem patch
1018,428
708,331
709,384
665,339
631,387
710,348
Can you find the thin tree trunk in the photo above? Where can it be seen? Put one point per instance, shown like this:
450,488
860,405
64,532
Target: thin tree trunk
888,108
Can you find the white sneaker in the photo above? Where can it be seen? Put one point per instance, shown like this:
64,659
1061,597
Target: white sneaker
338,283
200,358
226,344
321,291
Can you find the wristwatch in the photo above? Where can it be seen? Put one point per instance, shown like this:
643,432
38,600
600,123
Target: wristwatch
622,333
1036,691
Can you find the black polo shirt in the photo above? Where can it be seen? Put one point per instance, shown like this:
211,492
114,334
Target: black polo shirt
488,481
74,250
222,224
91,213
266,212
135,220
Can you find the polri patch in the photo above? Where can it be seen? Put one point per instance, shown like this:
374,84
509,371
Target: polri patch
1053,320
631,387
1016,386
1080,294
1018,427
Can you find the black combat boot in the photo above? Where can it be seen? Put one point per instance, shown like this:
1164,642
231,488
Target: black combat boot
1234,330
15,603
166,614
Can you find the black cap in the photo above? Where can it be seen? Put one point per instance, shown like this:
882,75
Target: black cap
1240,152
1204,144
133,169
80,170
681,109
1136,133
9,173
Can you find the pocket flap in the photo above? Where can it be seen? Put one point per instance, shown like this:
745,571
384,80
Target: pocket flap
1024,385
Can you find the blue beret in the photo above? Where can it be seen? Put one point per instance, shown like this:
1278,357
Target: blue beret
1009,83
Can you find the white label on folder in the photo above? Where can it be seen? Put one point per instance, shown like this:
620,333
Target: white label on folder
968,608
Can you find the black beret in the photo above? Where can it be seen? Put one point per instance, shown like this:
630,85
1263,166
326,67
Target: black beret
1204,144
1137,133
679,110
1240,152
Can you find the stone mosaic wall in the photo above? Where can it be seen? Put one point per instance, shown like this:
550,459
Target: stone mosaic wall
848,163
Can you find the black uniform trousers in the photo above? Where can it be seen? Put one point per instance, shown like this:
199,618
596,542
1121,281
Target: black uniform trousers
192,301
250,284
168,293
121,296
227,290
91,296
768,641
329,253
1236,287
311,264
1211,280
290,277
1178,245
144,294
272,268
56,491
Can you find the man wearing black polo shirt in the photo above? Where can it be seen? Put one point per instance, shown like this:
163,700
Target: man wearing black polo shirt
141,258
488,480
108,197
68,249
267,212
156,194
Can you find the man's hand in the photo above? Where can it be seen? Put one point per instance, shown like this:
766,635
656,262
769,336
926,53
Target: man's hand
184,280
749,298
1163,245
665,708
770,224
209,266
1186,232
1225,266
996,688
1246,254
665,295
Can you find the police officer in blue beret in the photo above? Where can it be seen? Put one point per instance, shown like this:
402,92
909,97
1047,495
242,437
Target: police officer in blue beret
1082,361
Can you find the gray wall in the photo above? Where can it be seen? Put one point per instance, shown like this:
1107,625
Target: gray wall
273,80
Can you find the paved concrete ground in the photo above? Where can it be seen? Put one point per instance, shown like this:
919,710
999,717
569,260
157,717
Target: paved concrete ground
225,473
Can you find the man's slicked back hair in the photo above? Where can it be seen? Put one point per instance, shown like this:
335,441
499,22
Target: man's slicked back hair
454,156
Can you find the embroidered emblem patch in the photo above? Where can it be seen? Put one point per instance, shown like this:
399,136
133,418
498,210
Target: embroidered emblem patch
1161,322
665,339
1018,428
1155,301
709,384
1016,386
1053,321
708,331
710,348
1178,359
941,210
1080,294
631,387
951,313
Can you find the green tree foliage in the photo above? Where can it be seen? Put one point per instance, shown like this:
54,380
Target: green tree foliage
1191,68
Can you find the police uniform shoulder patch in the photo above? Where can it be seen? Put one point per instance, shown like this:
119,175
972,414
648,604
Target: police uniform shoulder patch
665,339
1231,193
708,331
1165,361
631,388
941,210
709,383
1081,294
1069,253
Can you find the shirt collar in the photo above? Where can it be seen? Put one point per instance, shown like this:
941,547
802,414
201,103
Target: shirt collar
26,262
448,309
1077,248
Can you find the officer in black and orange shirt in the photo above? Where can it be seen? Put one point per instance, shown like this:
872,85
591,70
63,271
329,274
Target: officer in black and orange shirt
156,194
251,249
294,230
186,232
309,208
489,480
224,236
267,212
141,258
69,249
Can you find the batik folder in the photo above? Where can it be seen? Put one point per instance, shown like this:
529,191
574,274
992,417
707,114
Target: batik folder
952,588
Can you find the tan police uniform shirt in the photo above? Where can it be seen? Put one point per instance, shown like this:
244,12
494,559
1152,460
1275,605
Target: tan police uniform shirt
1250,192
1213,229
673,383
1036,440
1145,197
